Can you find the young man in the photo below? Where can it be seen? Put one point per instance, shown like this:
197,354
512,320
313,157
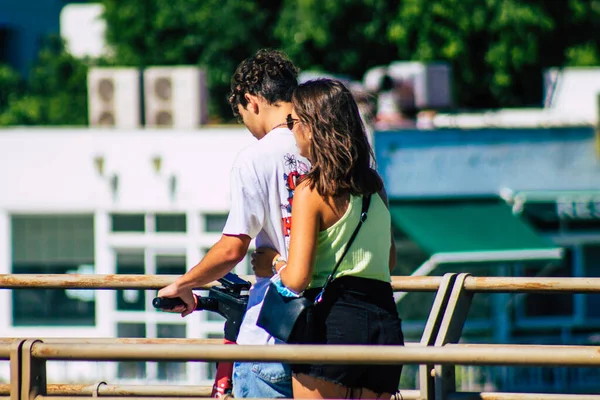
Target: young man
262,183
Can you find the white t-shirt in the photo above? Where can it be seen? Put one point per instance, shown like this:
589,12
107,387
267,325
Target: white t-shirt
262,183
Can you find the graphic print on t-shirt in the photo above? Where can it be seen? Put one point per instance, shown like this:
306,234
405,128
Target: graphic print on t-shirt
295,170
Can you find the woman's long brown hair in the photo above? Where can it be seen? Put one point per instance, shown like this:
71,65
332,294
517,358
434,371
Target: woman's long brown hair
340,152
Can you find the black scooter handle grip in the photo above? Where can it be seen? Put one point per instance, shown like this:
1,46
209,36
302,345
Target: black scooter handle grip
167,303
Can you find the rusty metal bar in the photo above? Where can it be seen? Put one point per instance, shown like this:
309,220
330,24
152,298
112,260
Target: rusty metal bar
399,283
8,341
113,282
53,389
155,390
122,390
532,285
41,397
430,333
77,281
16,370
519,396
574,356
143,390
33,370
450,331
416,283
5,348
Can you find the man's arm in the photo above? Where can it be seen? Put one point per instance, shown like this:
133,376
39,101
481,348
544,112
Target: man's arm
217,262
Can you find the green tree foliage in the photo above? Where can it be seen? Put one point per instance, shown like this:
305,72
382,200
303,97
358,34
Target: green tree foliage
498,48
216,34
583,26
338,36
55,93
11,85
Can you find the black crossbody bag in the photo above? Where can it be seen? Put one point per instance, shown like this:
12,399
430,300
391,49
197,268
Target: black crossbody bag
279,314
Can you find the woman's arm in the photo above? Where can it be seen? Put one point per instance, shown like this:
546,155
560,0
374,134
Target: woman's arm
303,238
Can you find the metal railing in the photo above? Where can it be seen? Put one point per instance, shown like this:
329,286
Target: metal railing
437,353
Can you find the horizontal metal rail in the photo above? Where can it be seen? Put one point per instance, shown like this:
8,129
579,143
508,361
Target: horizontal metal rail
519,396
78,281
142,349
461,354
399,283
122,282
105,389
3,341
41,397
532,285
5,351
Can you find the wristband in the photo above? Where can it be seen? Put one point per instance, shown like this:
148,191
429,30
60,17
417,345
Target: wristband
276,260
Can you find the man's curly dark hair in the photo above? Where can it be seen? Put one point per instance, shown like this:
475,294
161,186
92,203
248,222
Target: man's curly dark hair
269,74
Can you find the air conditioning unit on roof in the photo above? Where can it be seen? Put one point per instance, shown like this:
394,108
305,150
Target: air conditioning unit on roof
431,82
114,97
175,97
573,91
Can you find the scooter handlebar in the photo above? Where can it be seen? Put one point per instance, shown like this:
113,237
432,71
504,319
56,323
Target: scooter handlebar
167,303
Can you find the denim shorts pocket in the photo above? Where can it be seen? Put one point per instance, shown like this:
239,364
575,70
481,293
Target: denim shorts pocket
273,372
347,324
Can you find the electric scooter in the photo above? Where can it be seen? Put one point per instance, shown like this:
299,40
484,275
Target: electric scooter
228,300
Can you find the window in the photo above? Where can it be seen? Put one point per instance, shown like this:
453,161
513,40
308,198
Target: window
53,244
211,368
171,264
128,222
171,222
215,222
549,305
583,225
591,265
171,371
131,369
130,263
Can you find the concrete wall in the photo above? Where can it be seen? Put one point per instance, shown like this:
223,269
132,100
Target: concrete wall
483,162
49,170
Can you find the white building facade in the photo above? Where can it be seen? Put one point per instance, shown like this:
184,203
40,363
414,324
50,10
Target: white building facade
111,202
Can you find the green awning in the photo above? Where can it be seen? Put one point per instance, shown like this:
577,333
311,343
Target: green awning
459,227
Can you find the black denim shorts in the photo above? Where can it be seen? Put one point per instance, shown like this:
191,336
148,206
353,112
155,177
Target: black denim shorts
356,311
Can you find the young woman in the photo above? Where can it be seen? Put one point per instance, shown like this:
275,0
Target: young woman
358,306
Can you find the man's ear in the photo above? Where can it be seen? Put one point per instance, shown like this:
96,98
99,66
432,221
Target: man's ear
252,102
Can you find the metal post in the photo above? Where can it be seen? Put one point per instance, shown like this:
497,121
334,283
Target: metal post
33,372
450,331
426,381
598,125
15,370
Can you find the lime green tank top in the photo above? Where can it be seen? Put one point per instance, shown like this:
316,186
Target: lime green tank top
369,255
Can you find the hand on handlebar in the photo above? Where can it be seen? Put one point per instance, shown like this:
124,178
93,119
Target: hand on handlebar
186,295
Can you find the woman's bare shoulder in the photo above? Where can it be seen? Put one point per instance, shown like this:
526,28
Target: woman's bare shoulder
307,195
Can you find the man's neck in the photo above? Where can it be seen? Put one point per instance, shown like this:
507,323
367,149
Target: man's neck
275,116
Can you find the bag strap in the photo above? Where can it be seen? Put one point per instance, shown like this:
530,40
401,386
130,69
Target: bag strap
366,201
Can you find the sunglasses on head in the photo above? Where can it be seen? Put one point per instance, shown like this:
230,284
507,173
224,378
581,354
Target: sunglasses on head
291,121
